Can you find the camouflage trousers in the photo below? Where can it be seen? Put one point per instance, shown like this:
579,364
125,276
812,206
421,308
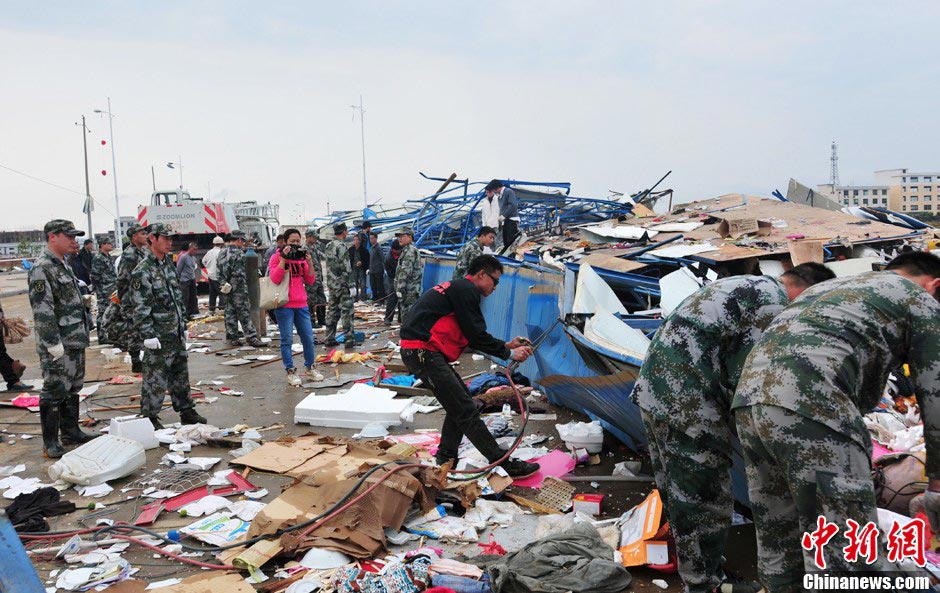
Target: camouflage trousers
693,475
166,369
102,300
129,339
63,377
238,310
406,302
339,309
316,302
798,470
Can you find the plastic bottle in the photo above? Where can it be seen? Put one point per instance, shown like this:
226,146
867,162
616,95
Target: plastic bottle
108,457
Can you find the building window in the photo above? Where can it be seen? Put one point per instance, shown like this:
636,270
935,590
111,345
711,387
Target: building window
884,192
913,208
855,201
913,189
913,180
864,201
845,201
845,192
926,198
903,208
913,198
884,201
864,192
854,192
927,179
904,198
927,187
928,207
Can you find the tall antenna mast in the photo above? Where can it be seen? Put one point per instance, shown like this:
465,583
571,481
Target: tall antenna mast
362,126
834,166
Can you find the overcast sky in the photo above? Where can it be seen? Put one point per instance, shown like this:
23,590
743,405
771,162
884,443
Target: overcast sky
731,96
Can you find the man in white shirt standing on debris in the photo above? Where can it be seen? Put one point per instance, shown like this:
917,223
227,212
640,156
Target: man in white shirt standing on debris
489,208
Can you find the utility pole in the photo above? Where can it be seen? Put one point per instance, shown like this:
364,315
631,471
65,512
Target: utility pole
88,203
181,172
362,128
118,242
153,178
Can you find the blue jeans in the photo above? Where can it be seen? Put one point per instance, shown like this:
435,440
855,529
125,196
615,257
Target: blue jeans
287,318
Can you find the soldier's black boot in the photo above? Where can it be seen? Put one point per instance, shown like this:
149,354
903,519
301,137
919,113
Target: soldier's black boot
191,416
136,365
49,419
72,433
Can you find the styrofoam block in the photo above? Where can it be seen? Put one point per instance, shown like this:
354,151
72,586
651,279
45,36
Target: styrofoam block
359,406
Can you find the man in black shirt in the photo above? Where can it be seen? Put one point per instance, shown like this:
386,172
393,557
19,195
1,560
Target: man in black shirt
440,325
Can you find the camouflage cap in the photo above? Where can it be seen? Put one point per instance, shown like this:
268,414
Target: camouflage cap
106,241
160,228
60,225
134,229
237,234
406,232
310,233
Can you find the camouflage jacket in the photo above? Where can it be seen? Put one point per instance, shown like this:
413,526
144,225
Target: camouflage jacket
158,302
316,254
694,362
410,271
338,266
129,260
232,268
103,275
58,310
470,251
828,355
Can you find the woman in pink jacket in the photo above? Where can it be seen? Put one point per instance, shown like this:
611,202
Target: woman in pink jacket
294,260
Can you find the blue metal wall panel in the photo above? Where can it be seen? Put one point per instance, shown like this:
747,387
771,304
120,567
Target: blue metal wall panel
526,303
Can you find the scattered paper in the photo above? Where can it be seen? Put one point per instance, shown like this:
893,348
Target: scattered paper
98,491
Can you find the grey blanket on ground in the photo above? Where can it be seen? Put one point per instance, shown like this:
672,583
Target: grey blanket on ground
574,560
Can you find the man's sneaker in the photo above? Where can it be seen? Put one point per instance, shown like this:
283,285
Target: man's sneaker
190,416
314,375
255,342
292,379
155,420
234,342
516,468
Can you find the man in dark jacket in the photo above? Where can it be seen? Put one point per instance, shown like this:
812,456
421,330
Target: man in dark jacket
508,209
391,266
439,326
376,268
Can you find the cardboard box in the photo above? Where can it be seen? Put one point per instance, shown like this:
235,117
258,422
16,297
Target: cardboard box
637,526
587,503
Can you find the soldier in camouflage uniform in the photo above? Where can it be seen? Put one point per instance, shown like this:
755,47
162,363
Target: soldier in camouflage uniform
410,273
684,390
340,282
235,287
472,249
133,253
61,338
104,279
818,368
160,319
316,296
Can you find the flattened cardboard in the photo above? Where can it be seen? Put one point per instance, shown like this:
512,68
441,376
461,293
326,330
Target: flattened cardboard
738,227
282,456
641,524
806,250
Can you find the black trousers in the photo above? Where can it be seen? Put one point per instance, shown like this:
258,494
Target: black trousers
189,298
6,366
510,230
391,304
377,281
462,417
215,297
